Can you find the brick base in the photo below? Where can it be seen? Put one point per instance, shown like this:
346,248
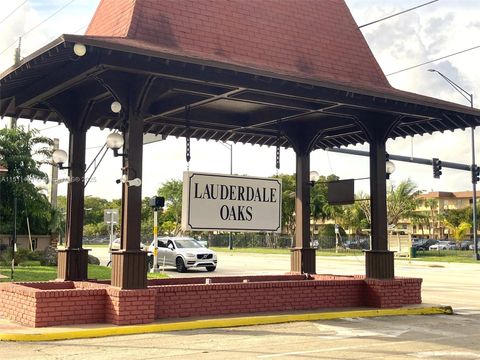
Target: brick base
126,307
69,302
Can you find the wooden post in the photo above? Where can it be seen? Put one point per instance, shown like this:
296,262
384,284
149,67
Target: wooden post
302,256
73,261
130,263
379,261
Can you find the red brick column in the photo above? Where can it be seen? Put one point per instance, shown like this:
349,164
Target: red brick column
393,293
127,307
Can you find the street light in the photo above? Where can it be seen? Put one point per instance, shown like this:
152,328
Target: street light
115,141
59,157
389,168
469,97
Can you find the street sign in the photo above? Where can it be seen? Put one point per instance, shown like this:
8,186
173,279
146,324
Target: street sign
110,216
232,203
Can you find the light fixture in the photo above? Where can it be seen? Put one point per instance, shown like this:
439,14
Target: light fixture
116,107
59,157
115,141
314,176
389,168
79,49
134,182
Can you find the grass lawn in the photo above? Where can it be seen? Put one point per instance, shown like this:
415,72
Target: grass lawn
32,271
465,256
332,252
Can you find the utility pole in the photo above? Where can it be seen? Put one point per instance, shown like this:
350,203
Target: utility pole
16,59
54,178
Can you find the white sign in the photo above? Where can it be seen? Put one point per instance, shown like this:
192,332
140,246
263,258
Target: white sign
110,216
232,203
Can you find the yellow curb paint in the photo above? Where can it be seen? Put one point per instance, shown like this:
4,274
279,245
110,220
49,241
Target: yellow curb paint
221,323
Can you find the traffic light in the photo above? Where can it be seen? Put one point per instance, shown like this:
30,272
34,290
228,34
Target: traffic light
437,168
475,174
157,202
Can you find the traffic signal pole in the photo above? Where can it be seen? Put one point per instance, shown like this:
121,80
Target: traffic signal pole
437,167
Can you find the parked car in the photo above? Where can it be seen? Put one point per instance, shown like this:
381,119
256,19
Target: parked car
443,245
116,245
423,244
363,244
183,253
465,245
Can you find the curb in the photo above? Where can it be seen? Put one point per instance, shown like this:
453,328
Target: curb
220,323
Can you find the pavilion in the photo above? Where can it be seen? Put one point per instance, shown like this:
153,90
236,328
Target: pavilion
293,74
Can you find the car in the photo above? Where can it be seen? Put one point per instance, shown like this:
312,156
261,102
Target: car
361,244
116,245
423,244
183,253
443,245
465,245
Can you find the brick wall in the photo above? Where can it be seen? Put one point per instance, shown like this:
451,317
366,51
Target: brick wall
52,303
393,293
257,296
125,307
18,303
63,303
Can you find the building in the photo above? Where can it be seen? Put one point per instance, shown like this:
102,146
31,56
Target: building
433,204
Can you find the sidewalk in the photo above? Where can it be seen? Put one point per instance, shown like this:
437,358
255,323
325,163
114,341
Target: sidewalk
10,331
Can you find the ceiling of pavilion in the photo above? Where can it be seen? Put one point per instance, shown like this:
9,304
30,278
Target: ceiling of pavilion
211,100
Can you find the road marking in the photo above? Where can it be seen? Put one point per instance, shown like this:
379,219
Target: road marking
348,332
447,354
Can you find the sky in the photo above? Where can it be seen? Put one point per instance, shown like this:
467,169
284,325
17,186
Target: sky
428,33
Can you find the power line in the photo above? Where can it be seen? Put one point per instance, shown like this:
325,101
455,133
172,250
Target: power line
18,7
400,13
431,61
36,26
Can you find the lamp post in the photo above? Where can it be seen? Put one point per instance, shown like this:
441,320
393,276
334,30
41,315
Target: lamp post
469,97
3,172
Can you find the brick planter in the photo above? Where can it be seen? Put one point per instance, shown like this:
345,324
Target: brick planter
53,303
69,302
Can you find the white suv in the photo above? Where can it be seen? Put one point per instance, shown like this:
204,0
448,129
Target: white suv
183,253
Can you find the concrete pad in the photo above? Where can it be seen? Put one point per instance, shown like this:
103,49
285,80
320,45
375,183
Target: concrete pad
13,332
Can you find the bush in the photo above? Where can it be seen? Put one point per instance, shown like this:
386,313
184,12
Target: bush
49,257
36,255
93,260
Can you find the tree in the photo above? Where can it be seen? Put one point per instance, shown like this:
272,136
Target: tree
288,202
401,202
460,231
22,152
458,222
431,216
172,192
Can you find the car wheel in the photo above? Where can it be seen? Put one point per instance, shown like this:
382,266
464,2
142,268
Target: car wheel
211,268
149,263
180,265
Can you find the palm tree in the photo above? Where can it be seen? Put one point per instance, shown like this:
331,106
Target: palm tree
432,205
402,201
460,231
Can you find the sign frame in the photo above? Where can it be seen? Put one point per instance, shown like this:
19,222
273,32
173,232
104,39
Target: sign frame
187,210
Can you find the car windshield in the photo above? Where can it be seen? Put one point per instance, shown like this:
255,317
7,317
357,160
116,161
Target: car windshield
187,244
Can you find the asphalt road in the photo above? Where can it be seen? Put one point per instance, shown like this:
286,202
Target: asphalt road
405,337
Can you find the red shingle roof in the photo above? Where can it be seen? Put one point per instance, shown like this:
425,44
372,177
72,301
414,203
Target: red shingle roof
312,39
